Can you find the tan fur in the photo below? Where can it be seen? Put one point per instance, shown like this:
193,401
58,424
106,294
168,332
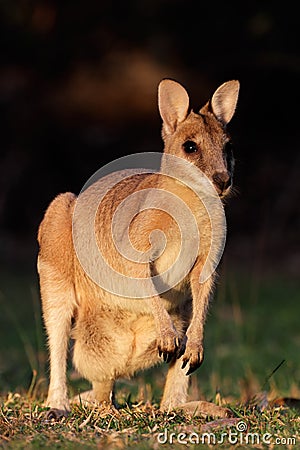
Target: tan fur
117,336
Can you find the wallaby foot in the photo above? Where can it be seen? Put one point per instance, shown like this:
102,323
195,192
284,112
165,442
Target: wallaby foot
204,409
101,395
85,398
56,414
176,393
88,399
59,404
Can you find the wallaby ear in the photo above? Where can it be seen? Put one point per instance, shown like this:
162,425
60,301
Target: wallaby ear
224,101
173,103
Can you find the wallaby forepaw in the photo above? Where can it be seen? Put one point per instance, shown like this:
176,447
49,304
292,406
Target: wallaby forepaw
194,355
168,344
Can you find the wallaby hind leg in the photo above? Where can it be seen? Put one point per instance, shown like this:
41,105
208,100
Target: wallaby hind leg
58,302
176,392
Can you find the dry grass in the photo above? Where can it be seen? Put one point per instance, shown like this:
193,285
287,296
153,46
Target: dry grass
23,424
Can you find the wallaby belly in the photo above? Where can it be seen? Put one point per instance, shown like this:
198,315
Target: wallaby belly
112,344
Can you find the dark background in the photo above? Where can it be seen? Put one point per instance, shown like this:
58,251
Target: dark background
78,87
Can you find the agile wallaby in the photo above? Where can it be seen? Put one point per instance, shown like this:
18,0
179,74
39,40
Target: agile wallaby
116,335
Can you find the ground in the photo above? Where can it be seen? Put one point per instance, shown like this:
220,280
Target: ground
251,365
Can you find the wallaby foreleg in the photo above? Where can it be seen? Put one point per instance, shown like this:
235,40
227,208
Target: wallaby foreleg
192,347
168,339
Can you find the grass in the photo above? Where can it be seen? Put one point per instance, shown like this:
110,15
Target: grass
23,425
253,326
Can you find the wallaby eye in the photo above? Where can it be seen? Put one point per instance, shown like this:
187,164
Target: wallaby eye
190,147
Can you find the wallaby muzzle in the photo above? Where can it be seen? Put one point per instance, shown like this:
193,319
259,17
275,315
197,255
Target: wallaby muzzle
222,182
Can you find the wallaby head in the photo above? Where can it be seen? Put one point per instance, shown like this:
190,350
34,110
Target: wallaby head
201,137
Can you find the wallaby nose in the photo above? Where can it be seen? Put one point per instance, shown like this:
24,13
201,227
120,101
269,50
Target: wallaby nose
222,180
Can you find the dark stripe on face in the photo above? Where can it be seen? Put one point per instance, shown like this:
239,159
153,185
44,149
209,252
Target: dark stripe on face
228,156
